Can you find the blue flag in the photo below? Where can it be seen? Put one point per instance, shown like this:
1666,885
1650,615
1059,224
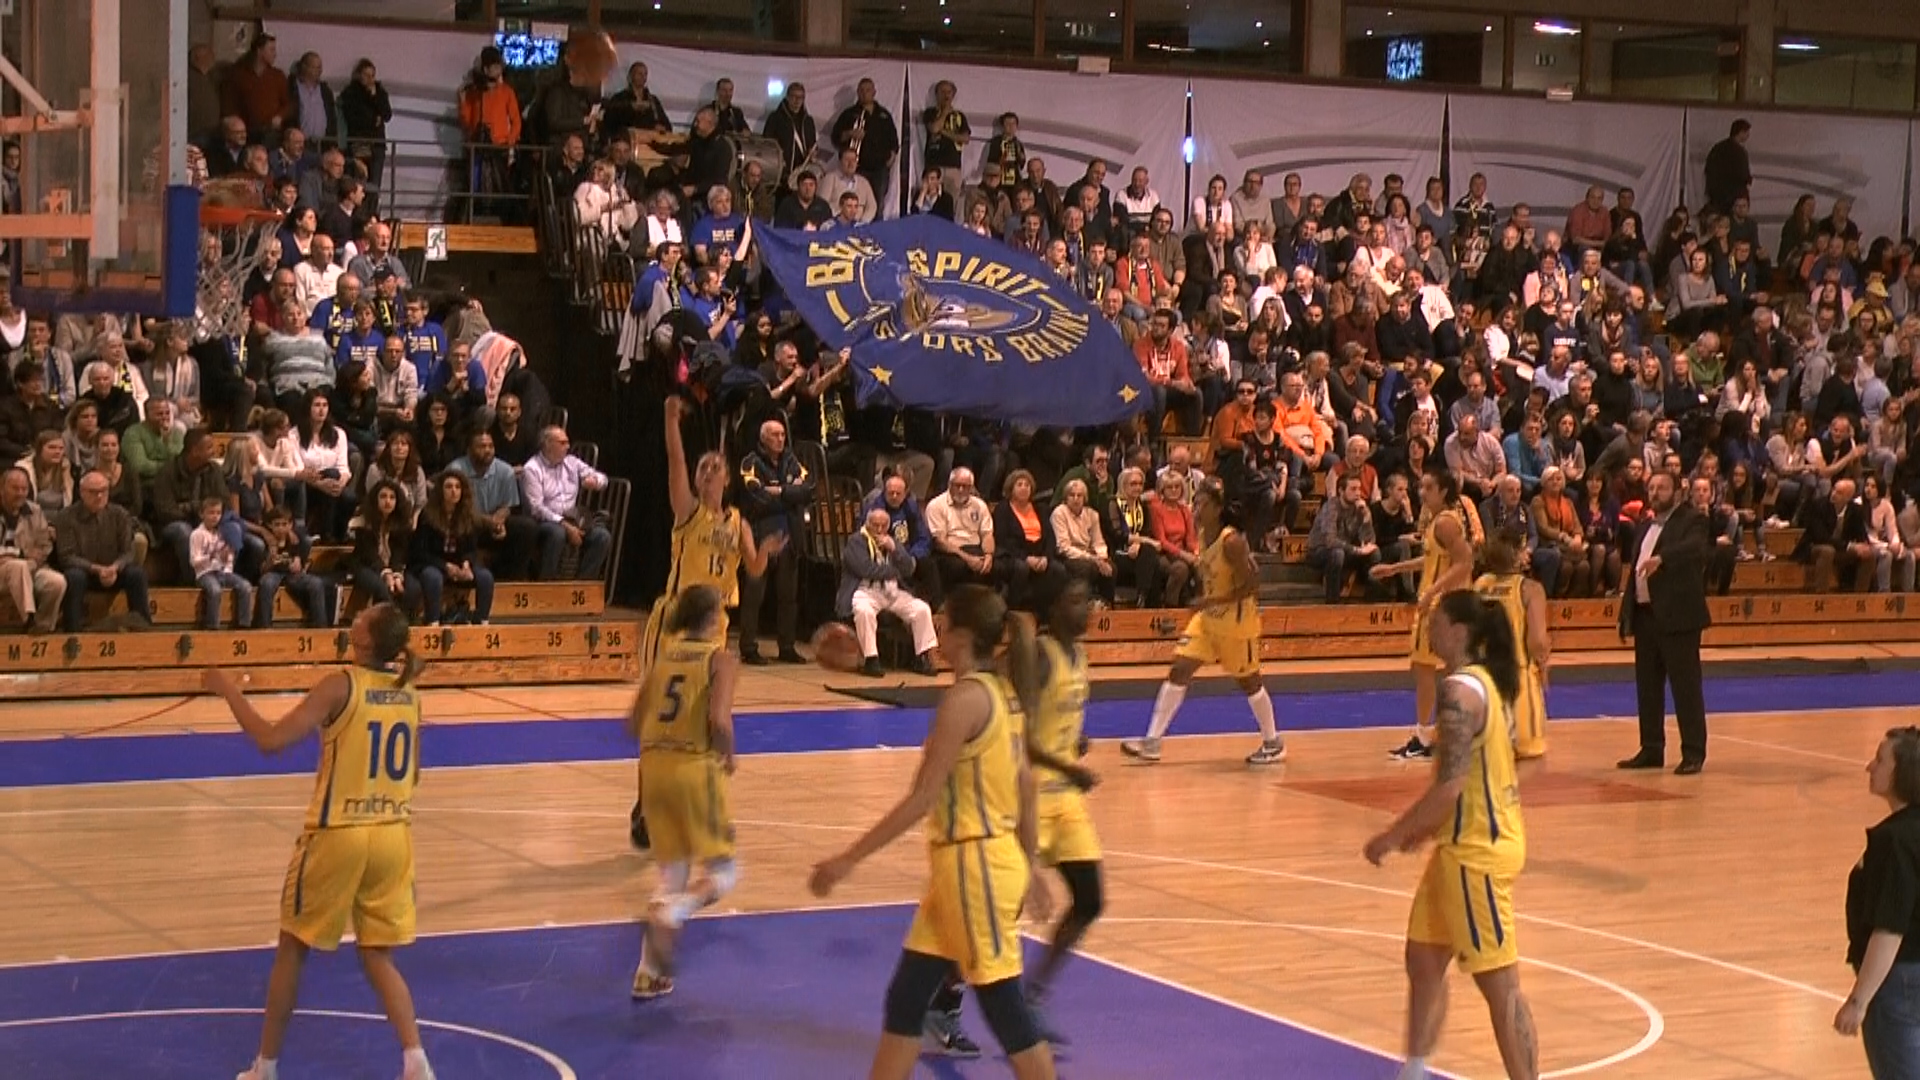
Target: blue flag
941,319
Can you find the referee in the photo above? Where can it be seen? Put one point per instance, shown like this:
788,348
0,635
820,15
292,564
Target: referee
1663,608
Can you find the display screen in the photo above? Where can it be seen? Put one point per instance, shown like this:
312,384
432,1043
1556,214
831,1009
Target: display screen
527,50
1406,59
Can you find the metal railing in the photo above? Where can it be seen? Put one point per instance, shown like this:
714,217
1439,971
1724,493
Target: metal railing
474,182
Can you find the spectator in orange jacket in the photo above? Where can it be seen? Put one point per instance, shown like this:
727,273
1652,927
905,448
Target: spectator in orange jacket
1301,426
258,92
489,109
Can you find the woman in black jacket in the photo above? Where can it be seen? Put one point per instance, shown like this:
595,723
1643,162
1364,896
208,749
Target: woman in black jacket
444,541
364,112
1023,547
382,540
1883,917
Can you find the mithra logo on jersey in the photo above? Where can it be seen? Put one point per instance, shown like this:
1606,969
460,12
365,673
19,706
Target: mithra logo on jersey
376,806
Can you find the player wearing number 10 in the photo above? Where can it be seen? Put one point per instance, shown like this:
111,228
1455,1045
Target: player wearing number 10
354,858
684,717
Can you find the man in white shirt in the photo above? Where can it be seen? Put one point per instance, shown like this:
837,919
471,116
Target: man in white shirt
847,179
550,485
1138,201
961,525
318,277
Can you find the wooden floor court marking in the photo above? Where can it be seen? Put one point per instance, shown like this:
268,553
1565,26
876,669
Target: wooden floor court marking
1656,1021
1794,750
561,1070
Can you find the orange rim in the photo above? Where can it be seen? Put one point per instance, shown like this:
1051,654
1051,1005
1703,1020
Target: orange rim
216,217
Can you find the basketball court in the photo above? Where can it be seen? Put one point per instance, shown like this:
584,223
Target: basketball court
1671,926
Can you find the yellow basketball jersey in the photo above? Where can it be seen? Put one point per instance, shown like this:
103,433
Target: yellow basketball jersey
1054,728
369,755
1434,558
1485,831
674,701
982,796
1505,589
706,551
1218,575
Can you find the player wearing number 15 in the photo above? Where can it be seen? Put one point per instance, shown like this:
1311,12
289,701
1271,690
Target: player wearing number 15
711,542
354,859
684,717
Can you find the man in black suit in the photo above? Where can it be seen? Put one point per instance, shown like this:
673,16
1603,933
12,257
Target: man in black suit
1664,609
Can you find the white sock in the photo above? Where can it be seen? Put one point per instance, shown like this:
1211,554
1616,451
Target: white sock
1414,1069
268,1068
1262,706
415,1058
1165,704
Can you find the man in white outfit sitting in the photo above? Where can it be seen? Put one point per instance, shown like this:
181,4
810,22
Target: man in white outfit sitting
873,575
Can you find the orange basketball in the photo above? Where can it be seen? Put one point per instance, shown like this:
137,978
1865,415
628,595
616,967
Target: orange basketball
590,57
835,648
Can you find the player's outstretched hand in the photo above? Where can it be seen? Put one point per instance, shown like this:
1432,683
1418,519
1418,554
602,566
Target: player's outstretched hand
217,682
827,874
1379,848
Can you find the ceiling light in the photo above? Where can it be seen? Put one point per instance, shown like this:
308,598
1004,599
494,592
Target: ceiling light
1798,46
1555,29
1489,28
1258,25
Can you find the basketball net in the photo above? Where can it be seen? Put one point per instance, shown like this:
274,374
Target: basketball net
234,242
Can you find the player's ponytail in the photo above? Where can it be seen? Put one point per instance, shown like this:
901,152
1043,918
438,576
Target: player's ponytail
1489,637
393,640
984,616
694,609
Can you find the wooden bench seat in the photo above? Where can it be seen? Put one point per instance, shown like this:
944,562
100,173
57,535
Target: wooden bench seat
162,662
171,606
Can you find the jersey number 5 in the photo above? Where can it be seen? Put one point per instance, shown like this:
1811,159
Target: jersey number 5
671,711
396,755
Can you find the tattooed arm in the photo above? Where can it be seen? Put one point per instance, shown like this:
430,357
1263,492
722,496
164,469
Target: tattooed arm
1459,714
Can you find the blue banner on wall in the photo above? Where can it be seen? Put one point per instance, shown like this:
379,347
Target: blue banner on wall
941,319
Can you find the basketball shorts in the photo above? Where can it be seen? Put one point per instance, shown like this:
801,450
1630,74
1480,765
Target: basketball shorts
1468,911
362,874
1233,644
689,814
1066,829
971,911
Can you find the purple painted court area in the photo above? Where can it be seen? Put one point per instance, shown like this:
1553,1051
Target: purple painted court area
783,995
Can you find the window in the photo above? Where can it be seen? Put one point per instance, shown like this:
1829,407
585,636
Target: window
1546,54
764,20
1255,35
1855,73
1449,48
1003,27
1661,63
1083,28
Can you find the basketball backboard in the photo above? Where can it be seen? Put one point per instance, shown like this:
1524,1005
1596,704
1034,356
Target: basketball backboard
99,214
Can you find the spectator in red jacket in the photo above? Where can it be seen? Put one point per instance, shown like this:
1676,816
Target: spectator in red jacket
258,92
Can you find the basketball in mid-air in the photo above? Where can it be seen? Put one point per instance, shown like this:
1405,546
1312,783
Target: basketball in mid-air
590,57
835,648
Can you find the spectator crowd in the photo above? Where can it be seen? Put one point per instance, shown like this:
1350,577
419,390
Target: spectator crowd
1302,347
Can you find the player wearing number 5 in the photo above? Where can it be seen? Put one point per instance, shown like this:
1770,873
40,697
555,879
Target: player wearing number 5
711,542
354,859
684,718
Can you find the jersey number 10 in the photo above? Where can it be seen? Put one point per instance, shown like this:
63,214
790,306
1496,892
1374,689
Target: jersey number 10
396,755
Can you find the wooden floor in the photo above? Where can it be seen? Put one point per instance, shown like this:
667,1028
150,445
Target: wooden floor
1674,928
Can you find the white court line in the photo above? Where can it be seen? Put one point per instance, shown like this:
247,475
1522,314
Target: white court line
562,1070
1237,1006
1656,1023
1815,754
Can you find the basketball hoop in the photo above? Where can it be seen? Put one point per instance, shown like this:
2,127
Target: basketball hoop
234,242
